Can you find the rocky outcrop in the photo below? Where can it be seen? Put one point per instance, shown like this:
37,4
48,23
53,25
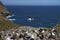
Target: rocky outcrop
3,10
57,27
5,24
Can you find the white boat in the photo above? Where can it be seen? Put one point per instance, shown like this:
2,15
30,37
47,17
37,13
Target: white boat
30,19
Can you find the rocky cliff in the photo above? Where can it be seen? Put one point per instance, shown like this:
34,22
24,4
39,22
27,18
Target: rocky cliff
5,24
3,10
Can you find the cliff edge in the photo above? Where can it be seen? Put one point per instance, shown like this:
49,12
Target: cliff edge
5,24
3,10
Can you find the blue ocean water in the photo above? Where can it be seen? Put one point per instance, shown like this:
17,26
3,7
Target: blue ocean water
45,16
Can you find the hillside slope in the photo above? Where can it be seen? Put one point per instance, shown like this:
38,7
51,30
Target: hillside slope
3,10
5,24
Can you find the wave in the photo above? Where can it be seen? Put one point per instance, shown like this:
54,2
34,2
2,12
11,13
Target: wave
10,16
12,19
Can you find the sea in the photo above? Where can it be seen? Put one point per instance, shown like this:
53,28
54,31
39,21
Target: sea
44,16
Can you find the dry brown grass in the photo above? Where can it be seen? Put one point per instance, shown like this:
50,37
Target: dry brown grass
5,24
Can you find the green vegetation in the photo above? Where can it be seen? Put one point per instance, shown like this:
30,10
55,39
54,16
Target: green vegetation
5,24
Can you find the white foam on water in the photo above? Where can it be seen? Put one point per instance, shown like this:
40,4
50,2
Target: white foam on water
10,16
12,19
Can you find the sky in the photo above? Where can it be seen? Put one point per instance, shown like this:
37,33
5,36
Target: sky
31,2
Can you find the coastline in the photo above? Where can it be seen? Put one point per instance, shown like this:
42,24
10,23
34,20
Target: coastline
12,31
